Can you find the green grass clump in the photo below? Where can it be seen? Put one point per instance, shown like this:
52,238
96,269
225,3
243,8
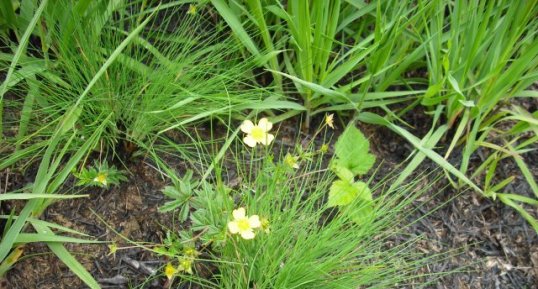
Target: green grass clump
340,55
309,245
100,74
301,239
142,71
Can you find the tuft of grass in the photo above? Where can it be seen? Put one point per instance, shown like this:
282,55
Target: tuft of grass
482,57
340,55
104,74
149,72
303,241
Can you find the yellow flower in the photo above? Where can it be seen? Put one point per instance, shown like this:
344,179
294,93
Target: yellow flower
257,133
170,271
101,178
329,120
324,148
113,248
191,252
185,265
244,225
291,161
265,225
192,9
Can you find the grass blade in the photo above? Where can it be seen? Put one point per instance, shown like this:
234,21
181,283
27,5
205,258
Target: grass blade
20,50
28,196
68,259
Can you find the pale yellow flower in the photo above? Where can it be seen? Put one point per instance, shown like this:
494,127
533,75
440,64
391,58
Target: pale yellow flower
190,252
329,120
257,133
291,161
265,225
101,178
113,249
185,265
192,9
244,225
170,271
324,148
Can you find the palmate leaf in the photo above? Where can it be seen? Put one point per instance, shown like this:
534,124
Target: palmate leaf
351,151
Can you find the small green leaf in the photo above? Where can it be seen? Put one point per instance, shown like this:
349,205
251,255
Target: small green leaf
343,193
454,84
342,172
467,103
433,90
171,192
363,213
351,151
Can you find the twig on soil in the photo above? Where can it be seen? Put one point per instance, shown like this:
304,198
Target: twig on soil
116,280
139,266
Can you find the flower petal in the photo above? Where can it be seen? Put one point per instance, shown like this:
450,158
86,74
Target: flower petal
250,141
247,126
239,213
267,139
265,124
169,271
254,221
248,234
233,227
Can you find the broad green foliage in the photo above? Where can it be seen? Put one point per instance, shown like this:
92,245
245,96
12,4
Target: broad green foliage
343,193
351,159
352,153
480,65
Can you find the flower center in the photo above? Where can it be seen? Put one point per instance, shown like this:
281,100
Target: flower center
243,224
257,133
101,178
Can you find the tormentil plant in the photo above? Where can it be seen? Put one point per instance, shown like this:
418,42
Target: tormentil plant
100,175
282,228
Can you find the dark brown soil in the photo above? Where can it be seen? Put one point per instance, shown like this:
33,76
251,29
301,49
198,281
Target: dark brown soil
498,247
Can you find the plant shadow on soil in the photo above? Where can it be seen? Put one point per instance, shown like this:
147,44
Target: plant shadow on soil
499,248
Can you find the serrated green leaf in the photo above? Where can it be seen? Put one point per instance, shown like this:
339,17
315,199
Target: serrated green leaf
342,172
351,151
344,193
170,206
171,192
363,213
